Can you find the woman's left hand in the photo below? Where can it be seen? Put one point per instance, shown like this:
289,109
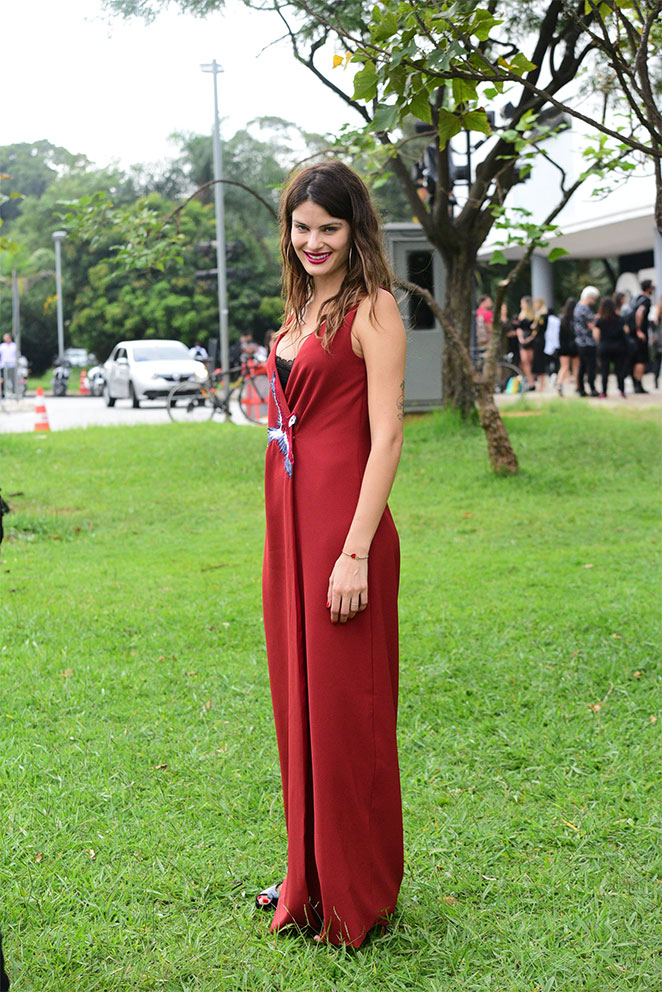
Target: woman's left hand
348,588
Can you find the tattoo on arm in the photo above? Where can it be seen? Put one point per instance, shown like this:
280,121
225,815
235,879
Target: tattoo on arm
401,401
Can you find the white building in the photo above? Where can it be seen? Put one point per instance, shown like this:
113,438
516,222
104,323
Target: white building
619,224
615,225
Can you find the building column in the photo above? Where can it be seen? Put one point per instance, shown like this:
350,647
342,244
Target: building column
542,279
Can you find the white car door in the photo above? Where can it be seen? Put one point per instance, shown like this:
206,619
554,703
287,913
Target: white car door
120,387
109,372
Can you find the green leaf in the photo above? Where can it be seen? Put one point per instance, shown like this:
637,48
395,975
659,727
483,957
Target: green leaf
419,106
385,29
386,117
464,90
397,80
556,253
522,64
439,60
449,125
498,258
482,24
365,82
476,120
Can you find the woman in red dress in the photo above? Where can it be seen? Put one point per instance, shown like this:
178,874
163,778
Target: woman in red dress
335,433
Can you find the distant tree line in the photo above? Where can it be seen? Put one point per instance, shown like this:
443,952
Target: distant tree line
104,303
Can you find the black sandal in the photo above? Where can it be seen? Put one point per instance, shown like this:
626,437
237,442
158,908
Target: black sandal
268,898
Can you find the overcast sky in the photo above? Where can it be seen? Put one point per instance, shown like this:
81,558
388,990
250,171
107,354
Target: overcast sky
114,90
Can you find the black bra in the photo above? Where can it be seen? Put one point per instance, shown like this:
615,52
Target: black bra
283,367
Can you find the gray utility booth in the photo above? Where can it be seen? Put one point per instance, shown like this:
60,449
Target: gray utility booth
413,258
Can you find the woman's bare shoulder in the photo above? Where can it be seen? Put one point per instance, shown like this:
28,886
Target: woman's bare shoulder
380,312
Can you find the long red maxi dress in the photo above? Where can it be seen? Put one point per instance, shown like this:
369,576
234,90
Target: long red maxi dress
334,686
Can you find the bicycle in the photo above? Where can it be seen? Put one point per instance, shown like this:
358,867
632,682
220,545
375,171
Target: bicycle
198,400
509,378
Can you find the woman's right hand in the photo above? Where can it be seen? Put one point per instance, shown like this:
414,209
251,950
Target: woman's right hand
347,593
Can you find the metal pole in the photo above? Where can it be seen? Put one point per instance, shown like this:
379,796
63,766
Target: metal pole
16,311
473,345
57,238
215,68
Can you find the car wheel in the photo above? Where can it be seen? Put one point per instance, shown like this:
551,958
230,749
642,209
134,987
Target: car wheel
108,399
135,402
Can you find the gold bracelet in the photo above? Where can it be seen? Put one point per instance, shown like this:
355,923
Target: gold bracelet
358,557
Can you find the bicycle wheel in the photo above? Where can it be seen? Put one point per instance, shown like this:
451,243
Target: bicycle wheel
254,397
509,379
189,405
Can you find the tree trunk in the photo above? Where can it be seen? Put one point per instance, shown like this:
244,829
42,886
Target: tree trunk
479,385
457,390
502,457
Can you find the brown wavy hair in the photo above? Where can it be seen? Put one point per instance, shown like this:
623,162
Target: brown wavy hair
338,190
607,309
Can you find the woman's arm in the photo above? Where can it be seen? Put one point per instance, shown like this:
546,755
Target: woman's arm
380,339
522,333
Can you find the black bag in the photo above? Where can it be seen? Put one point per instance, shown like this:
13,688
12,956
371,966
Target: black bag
627,316
3,509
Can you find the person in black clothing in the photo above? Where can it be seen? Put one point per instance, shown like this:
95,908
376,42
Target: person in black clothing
637,326
584,321
656,321
242,349
509,329
526,336
539,360
612,344
568,354
619,301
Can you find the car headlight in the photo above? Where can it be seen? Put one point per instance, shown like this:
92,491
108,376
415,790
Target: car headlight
201,372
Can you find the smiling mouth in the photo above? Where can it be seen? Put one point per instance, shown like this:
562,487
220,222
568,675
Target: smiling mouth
318,258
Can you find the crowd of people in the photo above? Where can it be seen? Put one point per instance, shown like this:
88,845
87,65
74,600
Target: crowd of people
592,336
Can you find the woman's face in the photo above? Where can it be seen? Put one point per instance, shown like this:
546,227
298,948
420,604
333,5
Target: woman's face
320,241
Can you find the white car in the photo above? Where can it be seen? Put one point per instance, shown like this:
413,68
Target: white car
80,357
147,370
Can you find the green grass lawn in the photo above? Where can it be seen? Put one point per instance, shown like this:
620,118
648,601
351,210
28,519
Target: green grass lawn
45,381
138,770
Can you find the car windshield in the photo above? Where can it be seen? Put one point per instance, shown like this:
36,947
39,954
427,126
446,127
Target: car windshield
164,352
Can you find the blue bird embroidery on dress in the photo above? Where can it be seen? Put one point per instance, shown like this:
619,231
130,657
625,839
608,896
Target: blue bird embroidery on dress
280,434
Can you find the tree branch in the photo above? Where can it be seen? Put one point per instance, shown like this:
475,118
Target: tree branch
229,182
641,62
309,63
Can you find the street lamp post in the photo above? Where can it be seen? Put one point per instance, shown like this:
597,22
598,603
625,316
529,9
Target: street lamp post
215,68
16,310
58,237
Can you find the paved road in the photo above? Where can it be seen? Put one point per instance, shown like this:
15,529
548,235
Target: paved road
84,411
88,411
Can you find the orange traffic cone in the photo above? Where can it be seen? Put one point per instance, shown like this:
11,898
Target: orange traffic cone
250,398
41,423
82,388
